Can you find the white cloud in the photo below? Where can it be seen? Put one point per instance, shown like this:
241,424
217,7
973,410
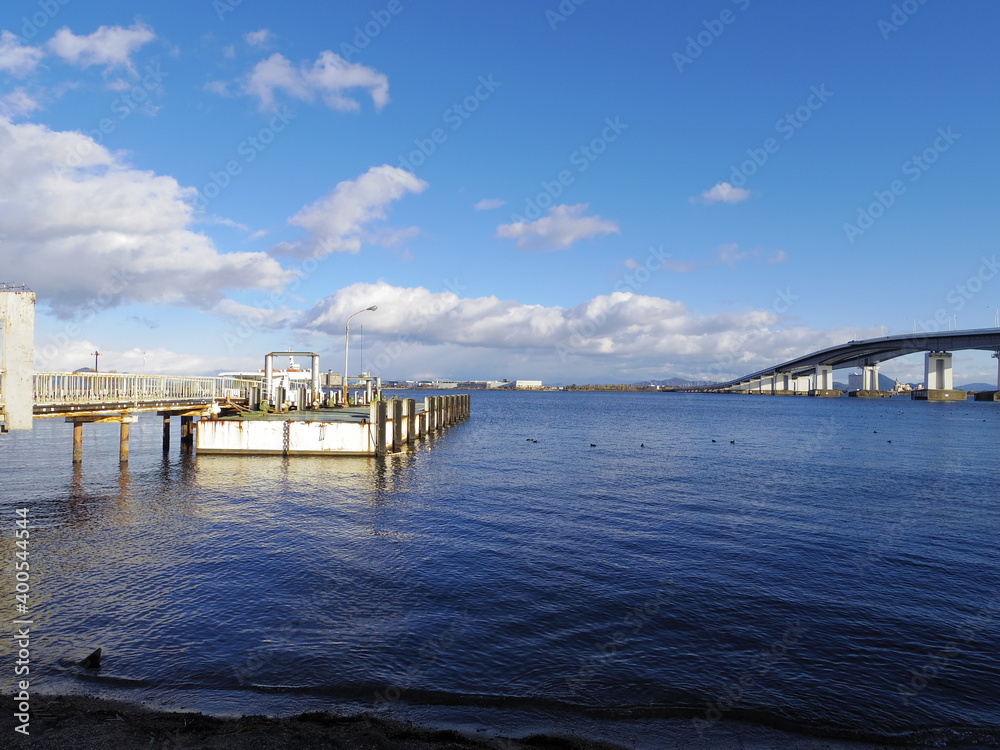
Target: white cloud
258,38
564,226
219,88
723,193
342,220
109,46
730,254
261,317
18,103
679,266
99,233
416,332
328,78
73,354
487,204
15,58
667,264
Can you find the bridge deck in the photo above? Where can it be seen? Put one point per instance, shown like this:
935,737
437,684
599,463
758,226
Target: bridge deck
873,351
58,394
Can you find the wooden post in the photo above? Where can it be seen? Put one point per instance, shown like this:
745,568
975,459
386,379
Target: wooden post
411,419
397,425
166,432
380,427
77,442
126,429
187,431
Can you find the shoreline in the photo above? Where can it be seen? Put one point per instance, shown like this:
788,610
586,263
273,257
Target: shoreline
79,722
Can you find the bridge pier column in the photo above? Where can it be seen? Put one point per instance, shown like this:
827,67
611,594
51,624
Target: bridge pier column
166,432
823,382
937,371
824,378
187,431
77,442
767,384
869,377
938,382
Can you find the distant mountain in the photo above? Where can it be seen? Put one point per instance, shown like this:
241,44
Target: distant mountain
977,387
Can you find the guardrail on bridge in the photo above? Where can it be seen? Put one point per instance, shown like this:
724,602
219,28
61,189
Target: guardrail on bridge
51,388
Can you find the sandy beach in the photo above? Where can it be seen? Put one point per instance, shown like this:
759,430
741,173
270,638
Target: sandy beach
83,723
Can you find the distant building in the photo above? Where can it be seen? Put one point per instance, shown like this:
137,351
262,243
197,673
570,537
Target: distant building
480,384
855,381
527,385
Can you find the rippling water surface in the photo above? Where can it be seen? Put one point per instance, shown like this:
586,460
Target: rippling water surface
834,569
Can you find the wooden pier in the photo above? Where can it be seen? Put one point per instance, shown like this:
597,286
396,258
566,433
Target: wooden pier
378,429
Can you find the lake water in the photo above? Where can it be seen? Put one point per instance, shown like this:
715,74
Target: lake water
828,565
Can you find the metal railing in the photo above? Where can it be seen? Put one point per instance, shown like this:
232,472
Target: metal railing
105,387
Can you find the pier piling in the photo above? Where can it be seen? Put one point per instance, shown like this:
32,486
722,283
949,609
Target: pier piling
123,442
397,425
77,442
380,427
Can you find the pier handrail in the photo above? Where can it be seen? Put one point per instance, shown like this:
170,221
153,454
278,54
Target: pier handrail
99,387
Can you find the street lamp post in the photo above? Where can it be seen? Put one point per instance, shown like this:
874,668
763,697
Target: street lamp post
96,355
347,343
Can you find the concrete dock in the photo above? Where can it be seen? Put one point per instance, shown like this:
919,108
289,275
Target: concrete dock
380,428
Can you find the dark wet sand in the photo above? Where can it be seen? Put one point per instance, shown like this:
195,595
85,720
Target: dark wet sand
83,723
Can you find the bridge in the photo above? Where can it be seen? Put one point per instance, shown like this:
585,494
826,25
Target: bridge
88,397
812,374
83,397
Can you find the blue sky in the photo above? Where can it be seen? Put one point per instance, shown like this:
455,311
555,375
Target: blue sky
577,191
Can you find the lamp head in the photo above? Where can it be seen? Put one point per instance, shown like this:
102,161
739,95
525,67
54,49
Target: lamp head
373,307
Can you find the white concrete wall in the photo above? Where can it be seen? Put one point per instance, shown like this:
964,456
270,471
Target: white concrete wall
267,436
824,378
937,371
17,358
869,378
